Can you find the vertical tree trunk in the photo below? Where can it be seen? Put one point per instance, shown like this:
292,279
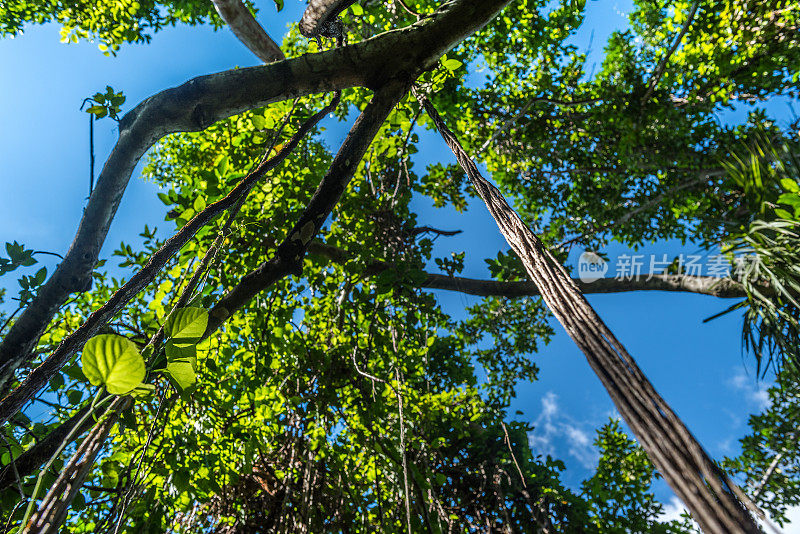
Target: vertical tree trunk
712,498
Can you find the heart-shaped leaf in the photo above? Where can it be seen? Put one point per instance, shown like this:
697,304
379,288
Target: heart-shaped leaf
114,362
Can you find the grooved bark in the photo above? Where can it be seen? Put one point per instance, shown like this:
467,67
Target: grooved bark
54,507
702,486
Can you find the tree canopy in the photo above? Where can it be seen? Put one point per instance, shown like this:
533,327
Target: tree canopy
279,362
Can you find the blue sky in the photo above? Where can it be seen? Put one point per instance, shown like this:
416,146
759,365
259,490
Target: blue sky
698,368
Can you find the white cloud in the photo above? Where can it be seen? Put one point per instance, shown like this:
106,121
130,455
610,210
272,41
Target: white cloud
754,391
673,510
793,514
549,405
554,429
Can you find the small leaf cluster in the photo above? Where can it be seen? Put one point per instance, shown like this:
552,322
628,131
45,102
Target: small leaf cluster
106,104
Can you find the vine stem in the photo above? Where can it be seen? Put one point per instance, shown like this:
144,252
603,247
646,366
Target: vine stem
96,403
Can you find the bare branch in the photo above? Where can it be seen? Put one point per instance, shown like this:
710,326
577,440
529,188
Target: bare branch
701,285
430,230
248,30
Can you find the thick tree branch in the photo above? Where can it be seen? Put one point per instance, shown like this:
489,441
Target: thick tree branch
244,25
288,258
702,285
37,378
202,101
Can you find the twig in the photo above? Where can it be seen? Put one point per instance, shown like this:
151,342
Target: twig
513,456
533,100
403,450
408,9
767,475
132,480
654,79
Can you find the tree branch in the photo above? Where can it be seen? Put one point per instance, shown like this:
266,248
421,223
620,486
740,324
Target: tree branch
654,79
429,229
202,101
288,258
248,30
701,285
37,378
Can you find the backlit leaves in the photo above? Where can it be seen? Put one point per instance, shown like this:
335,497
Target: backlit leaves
114,362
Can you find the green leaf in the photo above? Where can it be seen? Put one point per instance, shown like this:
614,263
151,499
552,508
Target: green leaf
143,390
279,4
199,204
451,64
790,185
789,198
114,362
75,397
187,325
182,372
74,372
222,166
357,10
41,274
180,352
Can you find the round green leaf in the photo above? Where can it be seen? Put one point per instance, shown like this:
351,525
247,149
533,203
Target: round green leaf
114,362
